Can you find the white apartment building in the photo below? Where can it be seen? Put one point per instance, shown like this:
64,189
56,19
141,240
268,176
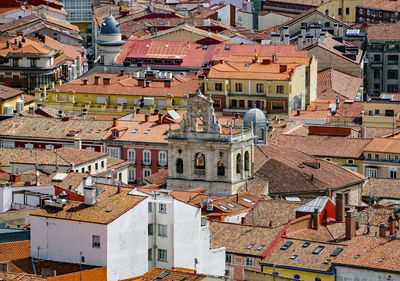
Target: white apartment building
179,237
109,229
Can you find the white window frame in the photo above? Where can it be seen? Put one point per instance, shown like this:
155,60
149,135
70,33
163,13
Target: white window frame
371,172
162,230
393,171
6,143
146,173
162,158
162,255
50,147
96,241
114,151
29,145
249,261
130,153
122,101
162,208
146,160
131,174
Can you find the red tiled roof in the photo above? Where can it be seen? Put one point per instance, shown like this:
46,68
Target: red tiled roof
383,31
8,92
170,275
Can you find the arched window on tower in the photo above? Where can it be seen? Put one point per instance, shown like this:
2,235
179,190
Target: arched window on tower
246,161
200,161
239,163
260,133
221,168
179,166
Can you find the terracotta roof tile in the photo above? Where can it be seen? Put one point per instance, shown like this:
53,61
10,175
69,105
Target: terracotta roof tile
371,252
23,126
98,274
159,178
15,250
293,172
383,145
238,238
302,257
8,92
332,82
109,205
386,5
170,275
128,85
341,147
272,213
382,188
382,31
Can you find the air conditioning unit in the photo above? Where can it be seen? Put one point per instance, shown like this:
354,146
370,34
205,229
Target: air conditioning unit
20,106
209,207
8,110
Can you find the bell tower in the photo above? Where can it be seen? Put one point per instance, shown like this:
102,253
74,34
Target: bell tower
202,153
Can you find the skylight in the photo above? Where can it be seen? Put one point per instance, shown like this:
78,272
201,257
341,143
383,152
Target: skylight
250,246
134,131
327,261
381,259
248,201
306,244
356,256
147,131
293,257
287,245
231,205
223,207
318,250
336,252
260,247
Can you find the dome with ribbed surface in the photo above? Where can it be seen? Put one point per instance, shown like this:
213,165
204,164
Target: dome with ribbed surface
256,116
110,26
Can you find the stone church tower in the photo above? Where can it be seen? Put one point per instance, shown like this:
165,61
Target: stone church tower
203,154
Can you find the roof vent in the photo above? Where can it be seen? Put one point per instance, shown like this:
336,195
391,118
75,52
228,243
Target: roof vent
162,275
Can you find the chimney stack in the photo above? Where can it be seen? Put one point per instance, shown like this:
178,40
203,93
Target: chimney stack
303,31
350,224
392,226
137,110
340,30
78,143
85,81
89,192
275,38
106,80
340,207
147,118
282,68
141,82
286,39
115,122
96,79
167,83
315,219
160,118
300,43
122,72
382,230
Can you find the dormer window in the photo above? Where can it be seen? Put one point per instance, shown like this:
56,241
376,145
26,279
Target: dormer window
72,133
115,134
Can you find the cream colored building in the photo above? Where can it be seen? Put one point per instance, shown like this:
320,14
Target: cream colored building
382,111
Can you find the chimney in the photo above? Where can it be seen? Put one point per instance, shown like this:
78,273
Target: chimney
96,79
340,207
14,177
322,37
106,80
119,188
156,111
146,118
160,118
141,82
122,72
275,38
392,226
315,219
340,30
382,230
286,30
300,43
286,39
350,224
20,44
363,131
115,122
85,81
303,31
335,29
89,192
7,44
137,110
337,103
282,68
167,83
148,83
266,61
78,143
15,41
42,38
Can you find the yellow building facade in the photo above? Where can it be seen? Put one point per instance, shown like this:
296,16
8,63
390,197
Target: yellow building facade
305,275
275,87
382,111
343,10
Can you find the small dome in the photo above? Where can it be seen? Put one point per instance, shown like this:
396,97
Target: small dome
256,116
110,26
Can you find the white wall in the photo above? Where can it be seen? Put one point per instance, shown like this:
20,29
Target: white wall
357,274
67,240
127,244
5,198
